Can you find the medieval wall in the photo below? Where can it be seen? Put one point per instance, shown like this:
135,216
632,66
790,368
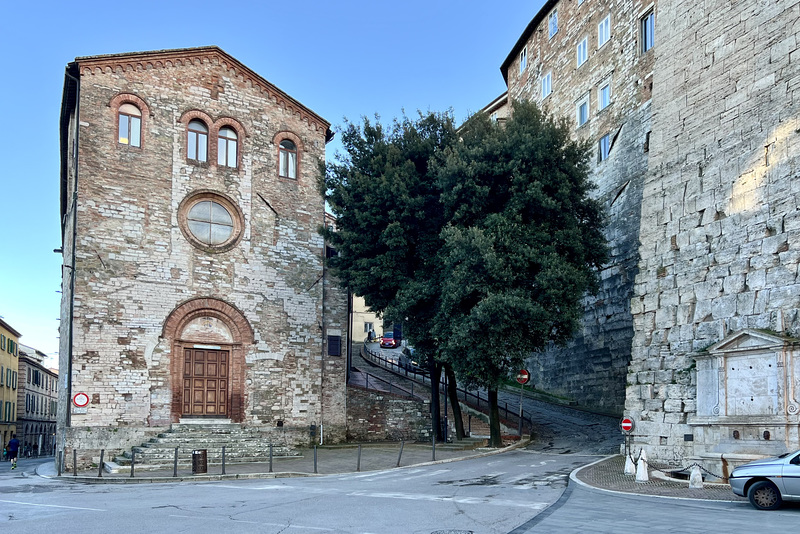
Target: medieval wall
383,417
146,289
720,228
592,368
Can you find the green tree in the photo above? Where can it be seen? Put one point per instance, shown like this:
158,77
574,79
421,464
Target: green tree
385,194
522,246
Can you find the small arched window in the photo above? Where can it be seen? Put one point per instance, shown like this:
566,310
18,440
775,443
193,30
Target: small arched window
130,125
226,147
288,159
197,141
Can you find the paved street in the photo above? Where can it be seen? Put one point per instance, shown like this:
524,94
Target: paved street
514,492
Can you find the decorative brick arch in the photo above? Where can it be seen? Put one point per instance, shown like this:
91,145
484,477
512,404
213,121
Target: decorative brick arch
129,98
298,143
242,337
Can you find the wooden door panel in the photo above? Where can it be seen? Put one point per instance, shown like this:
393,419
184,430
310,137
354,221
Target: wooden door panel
205,388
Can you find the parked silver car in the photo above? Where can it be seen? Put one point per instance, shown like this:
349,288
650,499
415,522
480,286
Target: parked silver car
768,482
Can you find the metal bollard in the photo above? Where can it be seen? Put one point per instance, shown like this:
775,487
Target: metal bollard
175,464
399,456
223,460
74,462
315,459
59,463
102,453
433,448
358,465
270,457
133,460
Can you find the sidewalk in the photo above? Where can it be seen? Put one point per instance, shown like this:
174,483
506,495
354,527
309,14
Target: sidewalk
330,460
608,474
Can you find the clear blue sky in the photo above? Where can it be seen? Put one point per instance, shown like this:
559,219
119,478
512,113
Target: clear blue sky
346,58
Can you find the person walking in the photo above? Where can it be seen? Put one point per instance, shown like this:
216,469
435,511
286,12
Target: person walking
13,449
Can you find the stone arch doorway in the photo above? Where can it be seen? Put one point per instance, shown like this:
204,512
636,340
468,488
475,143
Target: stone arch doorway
209,339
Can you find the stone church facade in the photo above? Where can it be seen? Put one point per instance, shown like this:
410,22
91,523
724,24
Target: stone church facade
694,113
194,287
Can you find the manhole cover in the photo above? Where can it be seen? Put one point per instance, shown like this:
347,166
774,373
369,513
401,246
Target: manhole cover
452,532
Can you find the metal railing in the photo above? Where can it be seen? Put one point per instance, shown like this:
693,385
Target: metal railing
470,398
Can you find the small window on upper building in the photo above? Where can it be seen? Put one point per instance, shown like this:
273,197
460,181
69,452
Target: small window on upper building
523,59
604,31
604,95
552,24
582,110
582,51
547,86
227,147
288,159
197,141
130,125
647,31
604,148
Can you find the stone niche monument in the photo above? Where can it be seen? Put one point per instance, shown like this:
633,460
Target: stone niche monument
747,403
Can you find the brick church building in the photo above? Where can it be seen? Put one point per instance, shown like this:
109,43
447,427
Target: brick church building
194,288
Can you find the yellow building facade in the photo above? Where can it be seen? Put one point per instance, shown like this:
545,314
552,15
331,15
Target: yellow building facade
9,364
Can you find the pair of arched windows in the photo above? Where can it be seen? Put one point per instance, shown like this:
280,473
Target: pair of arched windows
197,144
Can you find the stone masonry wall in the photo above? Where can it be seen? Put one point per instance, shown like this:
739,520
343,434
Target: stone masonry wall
380,417
136,264
720,228
592,368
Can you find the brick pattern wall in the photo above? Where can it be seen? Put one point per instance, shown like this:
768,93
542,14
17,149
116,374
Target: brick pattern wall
375,416
592,368
720,229
135,265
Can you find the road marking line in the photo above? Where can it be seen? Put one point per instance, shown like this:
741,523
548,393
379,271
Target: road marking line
226,519
434,473
54,506
457,500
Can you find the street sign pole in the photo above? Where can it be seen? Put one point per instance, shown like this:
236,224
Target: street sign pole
521,387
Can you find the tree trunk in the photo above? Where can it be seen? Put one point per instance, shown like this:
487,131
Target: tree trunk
452,392
436,374
495,440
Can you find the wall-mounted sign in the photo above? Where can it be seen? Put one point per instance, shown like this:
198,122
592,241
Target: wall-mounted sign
81,400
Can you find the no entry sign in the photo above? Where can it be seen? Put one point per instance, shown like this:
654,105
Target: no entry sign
523,377
626,424
80,400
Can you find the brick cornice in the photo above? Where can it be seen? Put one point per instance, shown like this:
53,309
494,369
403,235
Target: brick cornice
163,59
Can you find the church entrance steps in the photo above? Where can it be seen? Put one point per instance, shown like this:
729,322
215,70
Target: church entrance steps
242,445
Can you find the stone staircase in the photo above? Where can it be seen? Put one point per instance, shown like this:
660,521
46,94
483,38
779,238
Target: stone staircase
242,445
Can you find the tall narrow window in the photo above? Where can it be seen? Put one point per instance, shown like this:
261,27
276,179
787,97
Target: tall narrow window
197,141
226,147
523,59
552,24
582,110
605,95
547,86
582,51
648,30
130,125
604,31
605,147
288,159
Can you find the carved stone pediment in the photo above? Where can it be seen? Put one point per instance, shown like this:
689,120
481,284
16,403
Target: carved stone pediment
751,374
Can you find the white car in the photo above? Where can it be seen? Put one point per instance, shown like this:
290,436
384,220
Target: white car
768,482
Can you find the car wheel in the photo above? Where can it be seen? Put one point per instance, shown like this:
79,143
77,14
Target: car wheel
764,495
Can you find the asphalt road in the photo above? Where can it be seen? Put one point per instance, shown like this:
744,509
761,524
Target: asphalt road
515,492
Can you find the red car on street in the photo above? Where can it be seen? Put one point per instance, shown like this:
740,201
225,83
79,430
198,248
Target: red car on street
388,341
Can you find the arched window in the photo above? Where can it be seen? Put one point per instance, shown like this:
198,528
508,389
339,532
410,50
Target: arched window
197,141
226,147
130,125
288,159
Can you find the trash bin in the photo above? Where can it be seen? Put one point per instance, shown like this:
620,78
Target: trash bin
199,461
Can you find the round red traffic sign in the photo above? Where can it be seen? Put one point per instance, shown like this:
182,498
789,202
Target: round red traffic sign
80,400
523,377
626,424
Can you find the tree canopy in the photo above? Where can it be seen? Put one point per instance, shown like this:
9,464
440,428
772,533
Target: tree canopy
484,239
